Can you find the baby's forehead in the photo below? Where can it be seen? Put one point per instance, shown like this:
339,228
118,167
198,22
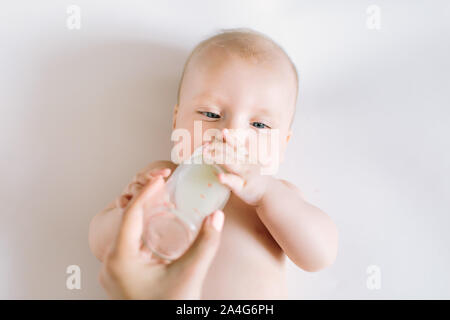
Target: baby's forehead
244,47
249,45
215,58
254,53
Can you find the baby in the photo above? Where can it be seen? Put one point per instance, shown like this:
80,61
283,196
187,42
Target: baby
241,79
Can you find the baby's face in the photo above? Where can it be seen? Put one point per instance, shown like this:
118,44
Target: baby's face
230,92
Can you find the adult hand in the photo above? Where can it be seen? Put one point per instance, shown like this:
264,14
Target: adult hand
127,272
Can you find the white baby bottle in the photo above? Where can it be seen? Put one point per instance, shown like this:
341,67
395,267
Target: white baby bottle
191,193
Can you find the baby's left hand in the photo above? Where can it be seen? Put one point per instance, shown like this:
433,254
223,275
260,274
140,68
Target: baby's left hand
242,177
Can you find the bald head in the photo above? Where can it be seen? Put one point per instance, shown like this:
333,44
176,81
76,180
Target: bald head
247,44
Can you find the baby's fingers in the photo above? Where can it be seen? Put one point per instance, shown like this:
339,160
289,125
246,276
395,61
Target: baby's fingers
232,181
123,200
164,172
144,177
132,190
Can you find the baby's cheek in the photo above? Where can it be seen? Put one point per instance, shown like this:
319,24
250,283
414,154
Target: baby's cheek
270,152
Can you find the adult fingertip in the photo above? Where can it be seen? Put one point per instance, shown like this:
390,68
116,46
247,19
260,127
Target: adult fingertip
217,220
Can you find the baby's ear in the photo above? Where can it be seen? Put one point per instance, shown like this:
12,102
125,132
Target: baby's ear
175,112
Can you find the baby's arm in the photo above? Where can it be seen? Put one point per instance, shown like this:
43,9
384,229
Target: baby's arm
307,235
105,225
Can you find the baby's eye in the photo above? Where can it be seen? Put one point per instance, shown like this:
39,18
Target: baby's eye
260,125
210,114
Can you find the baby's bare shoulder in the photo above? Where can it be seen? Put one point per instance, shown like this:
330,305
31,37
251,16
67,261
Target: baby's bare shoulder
291,186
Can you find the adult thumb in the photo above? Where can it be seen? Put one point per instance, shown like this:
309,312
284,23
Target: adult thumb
197,259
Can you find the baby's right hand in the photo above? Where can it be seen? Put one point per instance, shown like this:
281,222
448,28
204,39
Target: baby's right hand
134,188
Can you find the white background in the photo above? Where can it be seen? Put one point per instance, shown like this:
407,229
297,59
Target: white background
82,110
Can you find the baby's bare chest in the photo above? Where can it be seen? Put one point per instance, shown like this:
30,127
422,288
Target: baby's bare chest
249,263
244,228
